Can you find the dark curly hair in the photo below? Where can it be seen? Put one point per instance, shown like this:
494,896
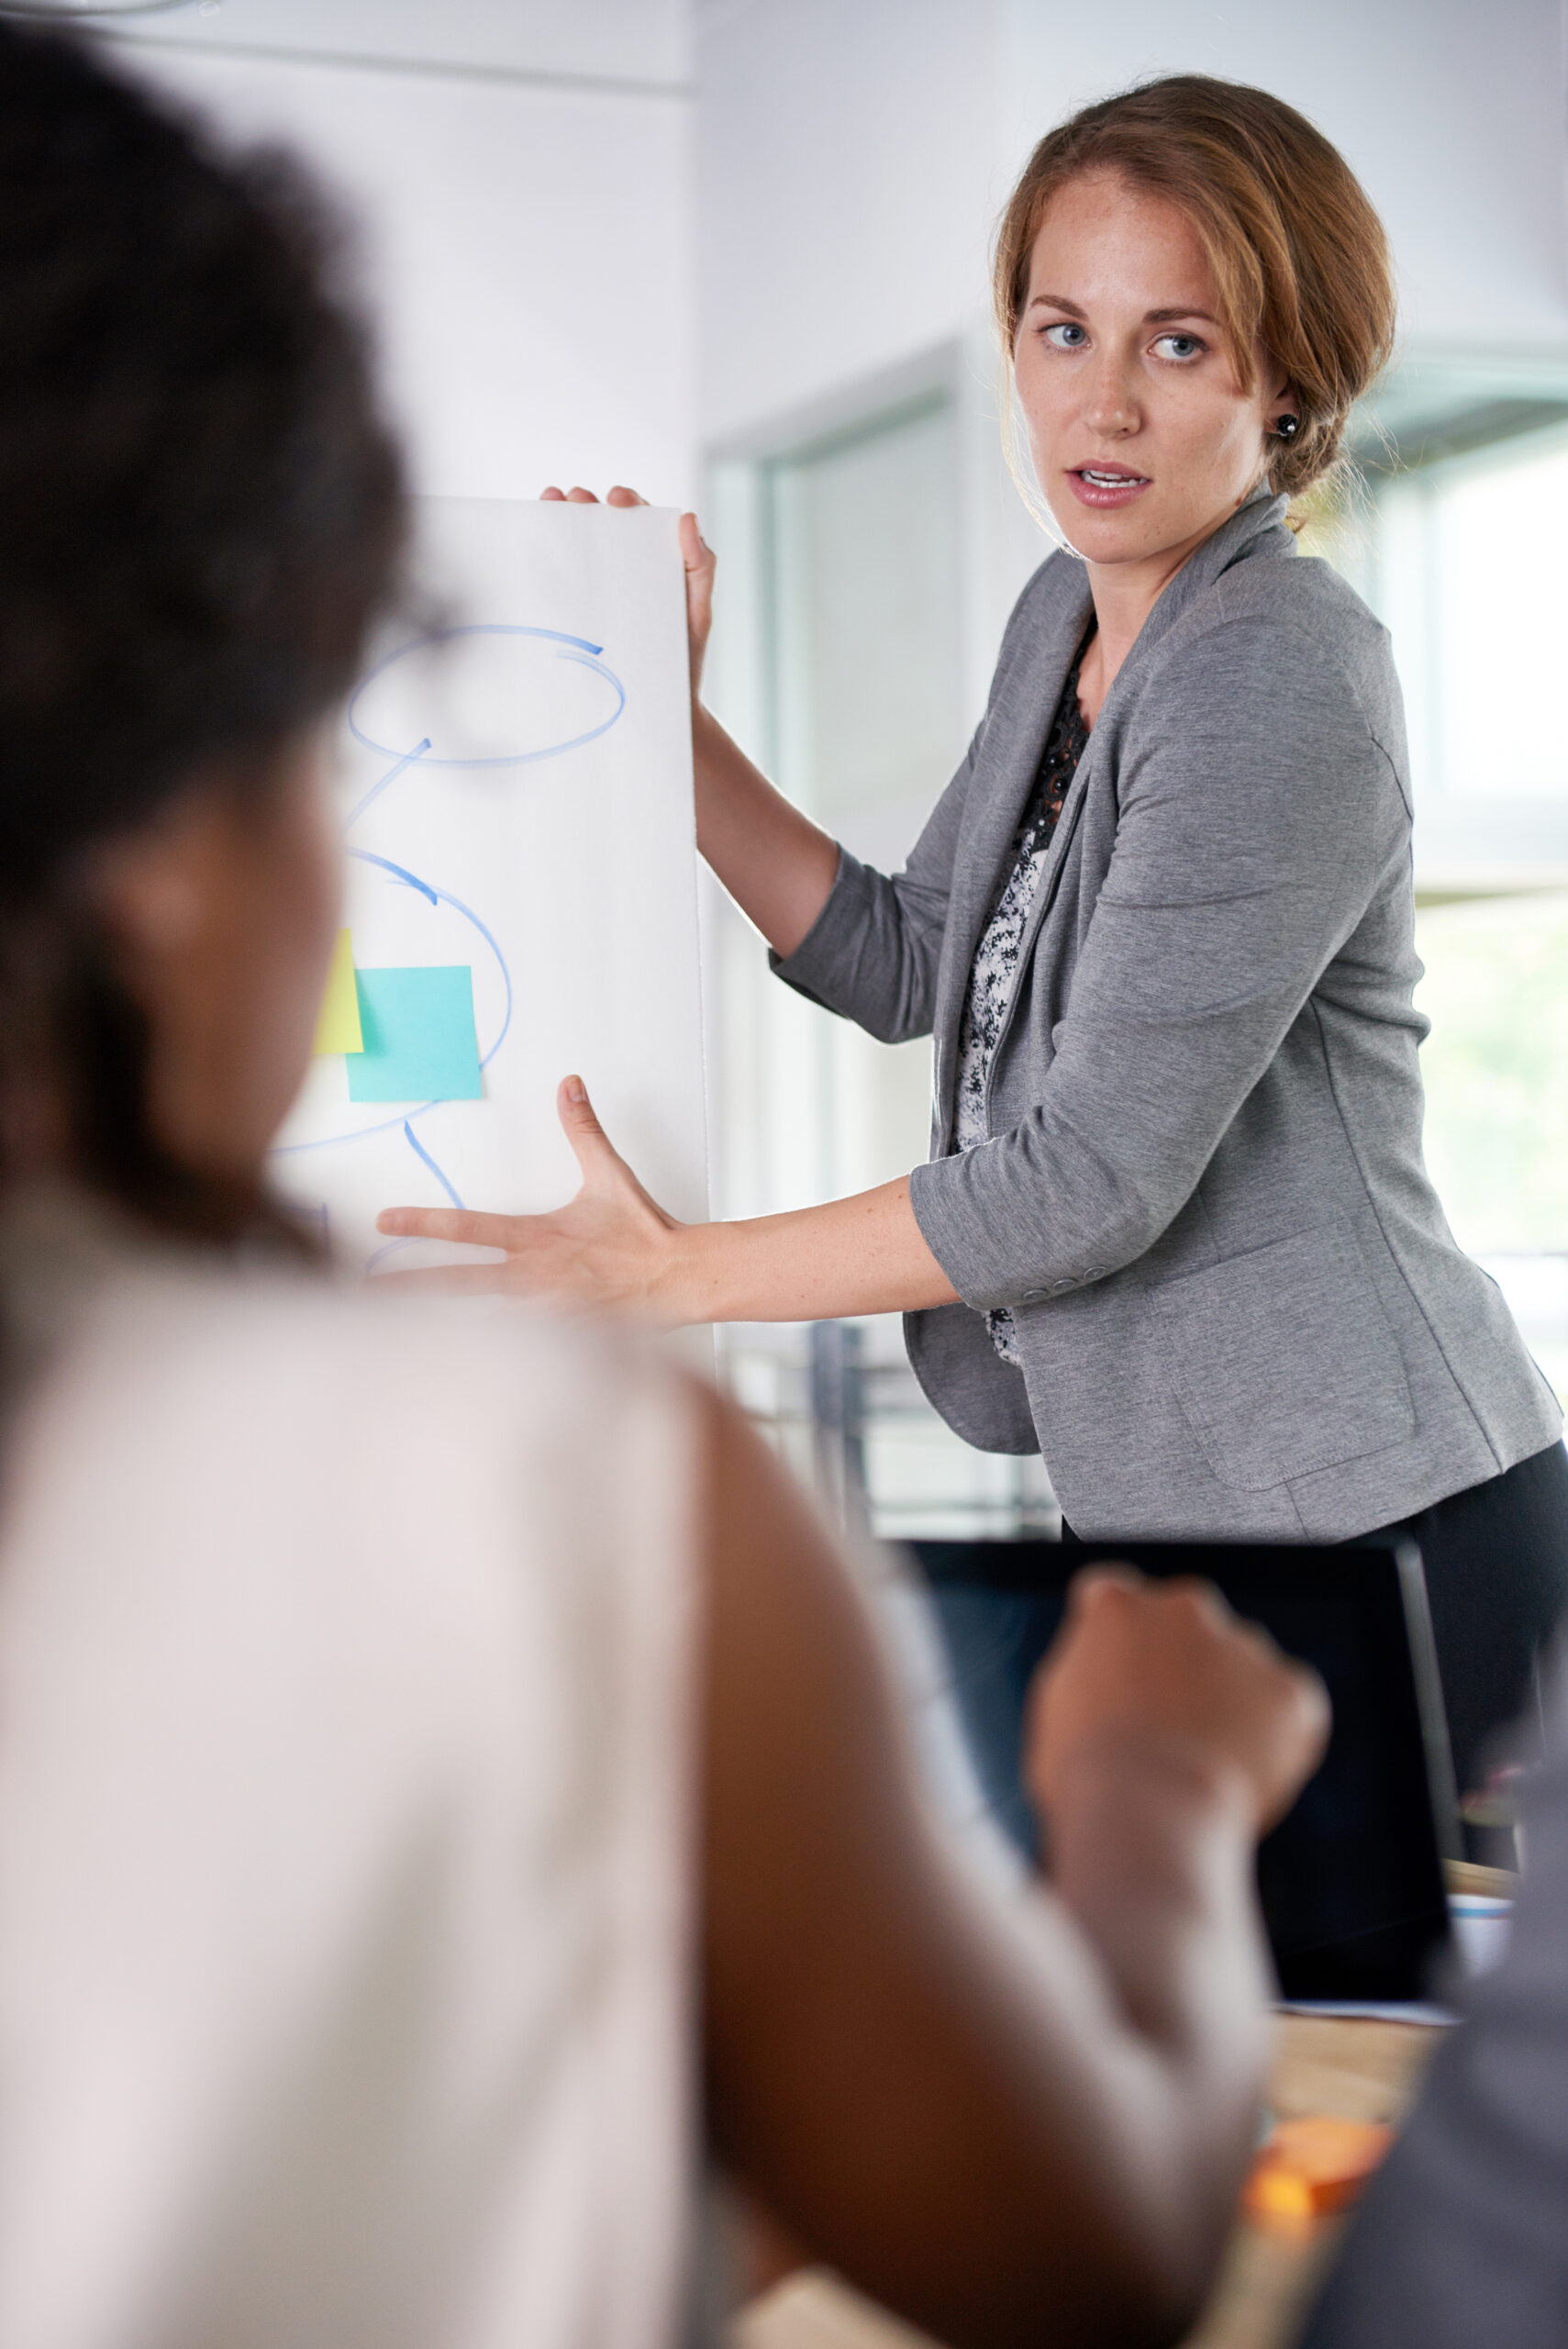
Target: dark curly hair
201,513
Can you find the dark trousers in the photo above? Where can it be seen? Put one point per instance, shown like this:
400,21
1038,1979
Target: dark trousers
1496,1566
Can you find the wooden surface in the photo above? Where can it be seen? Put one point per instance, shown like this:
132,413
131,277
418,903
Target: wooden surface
1366,2071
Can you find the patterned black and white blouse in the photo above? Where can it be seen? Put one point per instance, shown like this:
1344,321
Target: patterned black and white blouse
995,968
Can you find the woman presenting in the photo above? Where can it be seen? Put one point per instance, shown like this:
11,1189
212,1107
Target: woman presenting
1175,1230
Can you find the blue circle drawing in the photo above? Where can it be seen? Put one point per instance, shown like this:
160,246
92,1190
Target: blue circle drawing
575,648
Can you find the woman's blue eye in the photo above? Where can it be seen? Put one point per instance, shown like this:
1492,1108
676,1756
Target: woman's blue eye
1178,346
1067,335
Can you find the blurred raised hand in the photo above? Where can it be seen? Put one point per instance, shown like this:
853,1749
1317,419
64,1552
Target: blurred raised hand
1165,1670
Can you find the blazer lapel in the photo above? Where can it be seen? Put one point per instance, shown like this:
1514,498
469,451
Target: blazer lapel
1257,527
1010,753
1236,537
1014,744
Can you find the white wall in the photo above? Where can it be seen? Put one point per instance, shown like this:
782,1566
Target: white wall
849,169
1450,112
625,40
853,160
527,232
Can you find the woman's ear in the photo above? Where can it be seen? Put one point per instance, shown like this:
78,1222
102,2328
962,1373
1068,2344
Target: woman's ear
1280,397
151,889
146,897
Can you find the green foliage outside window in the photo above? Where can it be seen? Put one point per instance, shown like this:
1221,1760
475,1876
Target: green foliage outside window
1495,1068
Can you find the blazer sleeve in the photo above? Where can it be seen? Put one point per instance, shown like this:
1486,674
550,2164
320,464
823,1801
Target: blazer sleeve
872,953
1256,821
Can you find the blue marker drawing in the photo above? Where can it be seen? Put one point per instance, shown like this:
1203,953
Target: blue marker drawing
399,872
390,776
580,653
418,1147
393,1246
445,897
381,1254
577,649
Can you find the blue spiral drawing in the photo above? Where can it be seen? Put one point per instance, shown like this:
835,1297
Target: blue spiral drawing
423,755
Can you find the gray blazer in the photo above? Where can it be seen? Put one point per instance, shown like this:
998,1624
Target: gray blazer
1239,1309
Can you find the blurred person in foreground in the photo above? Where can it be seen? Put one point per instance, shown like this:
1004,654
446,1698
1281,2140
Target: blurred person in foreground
448,1791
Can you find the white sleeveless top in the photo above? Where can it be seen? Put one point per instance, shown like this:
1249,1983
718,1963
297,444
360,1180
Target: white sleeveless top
346,1860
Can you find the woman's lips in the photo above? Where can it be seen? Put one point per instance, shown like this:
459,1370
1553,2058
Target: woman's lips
1107,485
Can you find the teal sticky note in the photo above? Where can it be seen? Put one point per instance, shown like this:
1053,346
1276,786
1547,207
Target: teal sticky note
420,1037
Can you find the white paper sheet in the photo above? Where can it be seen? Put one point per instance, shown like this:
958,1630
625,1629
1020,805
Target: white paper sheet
515,789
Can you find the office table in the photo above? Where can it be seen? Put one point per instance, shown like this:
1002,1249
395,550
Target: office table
1362,2070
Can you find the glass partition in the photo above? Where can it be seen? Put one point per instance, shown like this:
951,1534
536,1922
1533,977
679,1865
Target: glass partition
847,677
1457,539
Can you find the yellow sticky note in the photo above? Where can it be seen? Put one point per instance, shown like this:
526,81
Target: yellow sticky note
338,1029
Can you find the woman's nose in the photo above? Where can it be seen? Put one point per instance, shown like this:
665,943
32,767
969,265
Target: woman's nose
1111,405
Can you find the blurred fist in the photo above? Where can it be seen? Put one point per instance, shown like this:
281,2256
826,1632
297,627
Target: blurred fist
1164,1668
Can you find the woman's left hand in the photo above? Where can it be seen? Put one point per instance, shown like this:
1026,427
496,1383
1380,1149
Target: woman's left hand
610,1246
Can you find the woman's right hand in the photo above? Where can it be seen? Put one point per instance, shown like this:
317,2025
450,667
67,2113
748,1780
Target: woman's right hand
1165,1669
699,558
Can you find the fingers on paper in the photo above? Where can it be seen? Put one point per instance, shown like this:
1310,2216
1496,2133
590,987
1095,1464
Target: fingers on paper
619,495
695,551
462,1224
583,1132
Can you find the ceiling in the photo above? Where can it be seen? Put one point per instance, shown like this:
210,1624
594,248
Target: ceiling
639,43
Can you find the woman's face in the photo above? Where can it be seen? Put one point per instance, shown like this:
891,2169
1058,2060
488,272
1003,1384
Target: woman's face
1143,441
222,914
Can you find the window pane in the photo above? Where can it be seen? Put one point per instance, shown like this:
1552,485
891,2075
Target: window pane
868,684
1498,567
1496,1067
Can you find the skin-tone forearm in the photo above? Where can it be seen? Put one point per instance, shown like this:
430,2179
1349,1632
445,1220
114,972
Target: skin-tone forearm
613,1246
1008,2127
864,1255
1152,1851
1145,1837
1151,1819
775,862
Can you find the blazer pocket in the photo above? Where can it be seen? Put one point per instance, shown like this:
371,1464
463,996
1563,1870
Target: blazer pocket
1283,1359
